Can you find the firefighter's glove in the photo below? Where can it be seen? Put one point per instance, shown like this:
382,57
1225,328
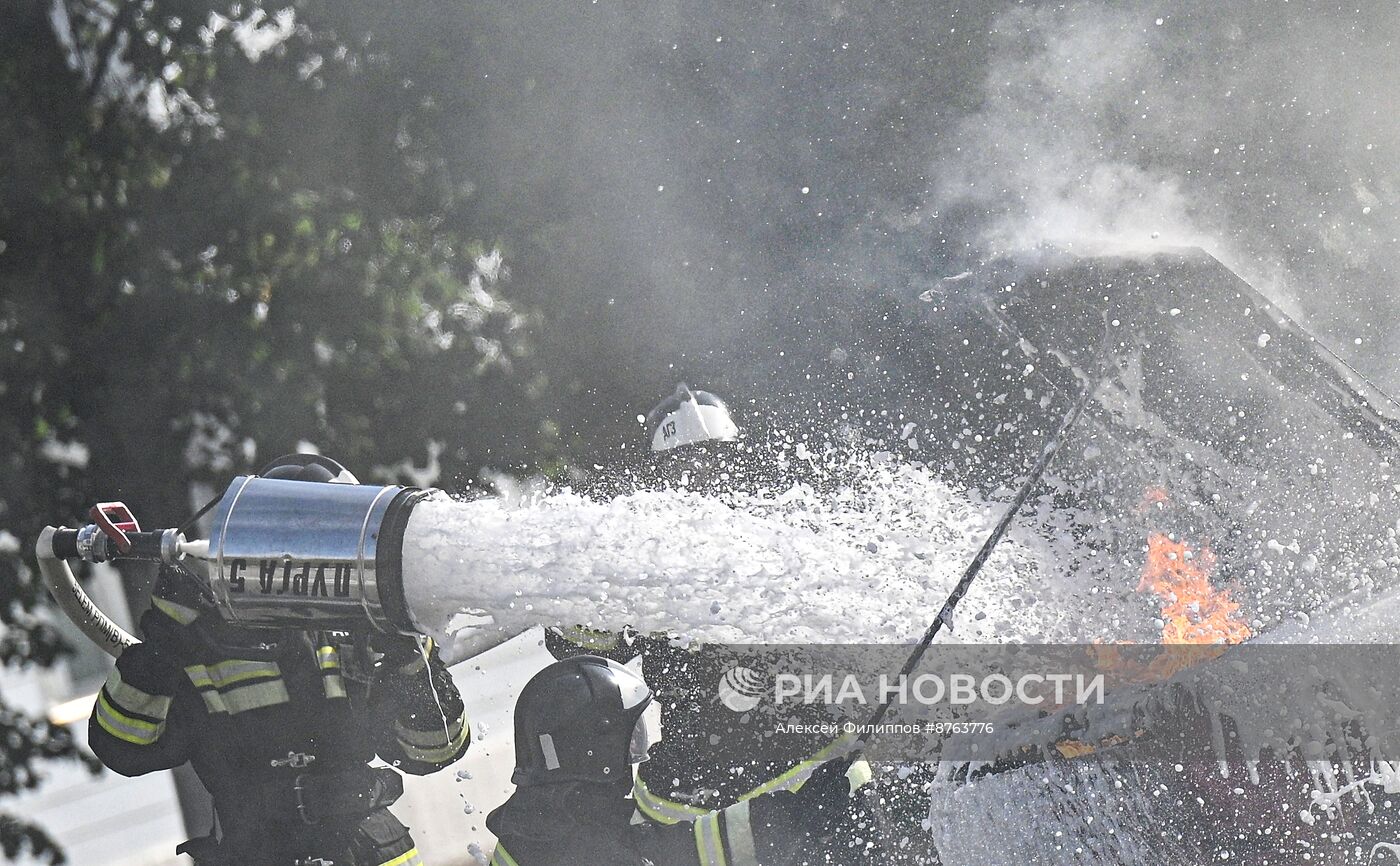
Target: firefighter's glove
827,787
407,654
829,799
176,642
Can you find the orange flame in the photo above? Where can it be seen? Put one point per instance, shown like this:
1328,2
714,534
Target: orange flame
1150,497
1193,611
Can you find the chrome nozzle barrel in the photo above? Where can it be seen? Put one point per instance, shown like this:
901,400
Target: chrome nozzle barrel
280,554
306,555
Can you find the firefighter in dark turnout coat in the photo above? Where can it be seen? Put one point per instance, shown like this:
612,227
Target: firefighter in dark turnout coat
581,726
280,727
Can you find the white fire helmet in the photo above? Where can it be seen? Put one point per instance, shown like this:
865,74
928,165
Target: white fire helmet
645,734
688,417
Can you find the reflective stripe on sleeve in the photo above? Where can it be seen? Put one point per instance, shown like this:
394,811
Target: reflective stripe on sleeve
199,676
709,846
131,699
859,774
411,857
421,662
789,781
138,732
664,811
438,752
178,612
794,778
501,857
660,809
738,832
429,739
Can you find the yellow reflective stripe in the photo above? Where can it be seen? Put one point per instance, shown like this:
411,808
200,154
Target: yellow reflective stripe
123,727
859,774
789,781
213,682
657,813
410,857
178,612
254,697
133,700
429,739
241,700
223,682
739,833
439,754
708,845
793,779
664,811
213,702
590,638
328,656
237,670
226,673
660,809
501,857
420,661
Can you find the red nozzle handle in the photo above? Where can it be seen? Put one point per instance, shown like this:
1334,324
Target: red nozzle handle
115,520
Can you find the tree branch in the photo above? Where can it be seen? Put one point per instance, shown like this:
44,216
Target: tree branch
108,47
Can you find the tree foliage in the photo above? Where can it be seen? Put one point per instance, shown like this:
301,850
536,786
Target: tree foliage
211,250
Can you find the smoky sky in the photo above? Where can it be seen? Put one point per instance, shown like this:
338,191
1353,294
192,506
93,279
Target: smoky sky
689,171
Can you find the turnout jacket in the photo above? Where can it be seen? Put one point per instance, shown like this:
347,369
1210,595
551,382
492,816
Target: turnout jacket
571,824
281,732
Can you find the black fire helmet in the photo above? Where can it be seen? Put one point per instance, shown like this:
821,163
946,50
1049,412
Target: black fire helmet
308,467
582,720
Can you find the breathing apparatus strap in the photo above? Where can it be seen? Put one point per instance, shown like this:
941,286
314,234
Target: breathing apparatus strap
313,798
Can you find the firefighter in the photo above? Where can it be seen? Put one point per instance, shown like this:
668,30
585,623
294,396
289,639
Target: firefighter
280,726
581,727
709,757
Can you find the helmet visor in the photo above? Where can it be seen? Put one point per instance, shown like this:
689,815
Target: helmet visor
645,734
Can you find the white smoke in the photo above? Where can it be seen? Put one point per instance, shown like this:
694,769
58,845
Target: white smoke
1257,136
1038,157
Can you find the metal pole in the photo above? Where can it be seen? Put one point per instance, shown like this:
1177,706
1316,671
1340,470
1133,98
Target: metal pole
970,574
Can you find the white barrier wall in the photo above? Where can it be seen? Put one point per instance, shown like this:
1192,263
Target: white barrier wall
447,811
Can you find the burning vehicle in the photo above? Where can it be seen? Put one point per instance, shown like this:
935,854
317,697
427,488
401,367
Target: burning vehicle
1247,475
